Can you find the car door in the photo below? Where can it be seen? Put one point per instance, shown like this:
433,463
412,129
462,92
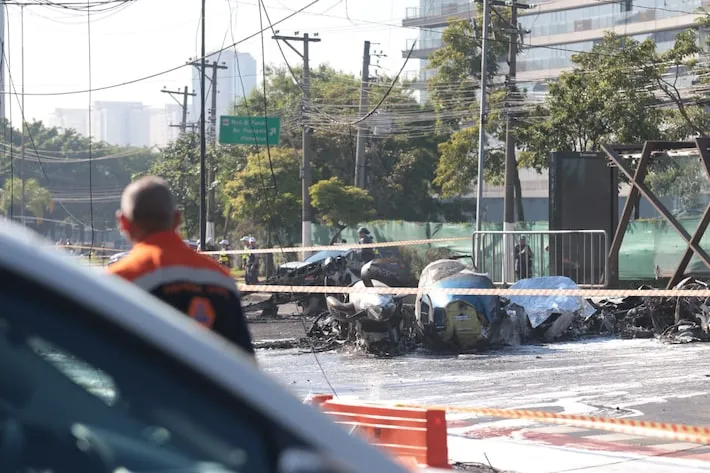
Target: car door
81,394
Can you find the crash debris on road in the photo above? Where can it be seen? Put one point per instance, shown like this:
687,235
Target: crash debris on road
672,319
389,325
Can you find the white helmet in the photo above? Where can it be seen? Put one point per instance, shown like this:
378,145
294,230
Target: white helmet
224,243
245,239
252,240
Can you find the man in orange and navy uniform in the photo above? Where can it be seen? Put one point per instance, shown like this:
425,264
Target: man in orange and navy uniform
162,264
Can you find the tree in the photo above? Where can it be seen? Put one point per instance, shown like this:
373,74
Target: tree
38,200
454,91
401,159
340,206
59,160
688,58
179,165
266,193
601,100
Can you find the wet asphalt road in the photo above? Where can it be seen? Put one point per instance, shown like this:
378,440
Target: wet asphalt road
597,376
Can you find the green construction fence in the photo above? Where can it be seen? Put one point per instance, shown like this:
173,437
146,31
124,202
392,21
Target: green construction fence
651,247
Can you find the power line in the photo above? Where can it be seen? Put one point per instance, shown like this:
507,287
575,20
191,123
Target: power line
29,133
172,69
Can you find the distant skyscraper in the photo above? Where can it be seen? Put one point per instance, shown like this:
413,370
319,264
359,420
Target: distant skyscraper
230,87
71,118
161,119
121,123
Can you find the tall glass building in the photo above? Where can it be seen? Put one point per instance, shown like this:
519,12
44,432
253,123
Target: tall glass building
557,29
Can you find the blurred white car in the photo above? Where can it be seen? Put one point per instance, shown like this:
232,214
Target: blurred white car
98,376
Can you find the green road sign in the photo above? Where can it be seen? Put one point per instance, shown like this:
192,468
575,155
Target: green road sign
249,130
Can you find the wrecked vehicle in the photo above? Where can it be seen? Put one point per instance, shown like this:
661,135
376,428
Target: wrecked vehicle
450,321
544,318
379,324
671,319
338,268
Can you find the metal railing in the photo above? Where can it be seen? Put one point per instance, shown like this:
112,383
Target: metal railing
581,255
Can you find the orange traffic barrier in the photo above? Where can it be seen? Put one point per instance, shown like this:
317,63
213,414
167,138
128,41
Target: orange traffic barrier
414,435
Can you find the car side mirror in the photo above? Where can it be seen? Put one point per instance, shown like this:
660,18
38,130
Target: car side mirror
305,461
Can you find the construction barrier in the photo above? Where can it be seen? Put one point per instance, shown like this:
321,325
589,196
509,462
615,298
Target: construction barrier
402,418
415,435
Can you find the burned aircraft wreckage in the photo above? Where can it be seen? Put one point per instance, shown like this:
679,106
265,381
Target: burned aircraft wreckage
393,325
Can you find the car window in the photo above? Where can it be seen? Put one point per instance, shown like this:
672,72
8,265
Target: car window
69,378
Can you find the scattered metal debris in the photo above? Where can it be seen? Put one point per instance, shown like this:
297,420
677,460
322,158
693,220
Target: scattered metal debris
475,468
672,319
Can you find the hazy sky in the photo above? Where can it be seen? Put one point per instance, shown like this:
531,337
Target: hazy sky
150,36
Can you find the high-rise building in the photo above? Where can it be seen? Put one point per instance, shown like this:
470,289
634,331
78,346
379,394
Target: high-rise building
233,83
71,118
164,124
121,123
556,30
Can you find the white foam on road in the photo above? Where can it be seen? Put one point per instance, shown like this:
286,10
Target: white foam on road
528,457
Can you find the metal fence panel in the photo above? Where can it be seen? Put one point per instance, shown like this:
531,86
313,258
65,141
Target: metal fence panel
581,255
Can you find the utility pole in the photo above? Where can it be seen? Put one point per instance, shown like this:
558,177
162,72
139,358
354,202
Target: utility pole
22,140
482,128
203,142
510,161
307,132
211,134
3,98
183,106
360,147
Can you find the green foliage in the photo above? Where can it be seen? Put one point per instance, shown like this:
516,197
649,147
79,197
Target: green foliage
458,165
600,101
454,91
179,165
38,200
339,205
688,55
63,167
254,198
400,167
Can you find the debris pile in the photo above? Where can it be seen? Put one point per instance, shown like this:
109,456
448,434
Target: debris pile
673,319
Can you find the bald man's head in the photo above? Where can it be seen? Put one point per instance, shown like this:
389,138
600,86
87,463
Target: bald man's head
149,205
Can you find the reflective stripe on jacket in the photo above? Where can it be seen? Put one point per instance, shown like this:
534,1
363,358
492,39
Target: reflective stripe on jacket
193,283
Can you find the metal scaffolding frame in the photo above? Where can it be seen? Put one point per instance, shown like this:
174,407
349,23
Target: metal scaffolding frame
639,188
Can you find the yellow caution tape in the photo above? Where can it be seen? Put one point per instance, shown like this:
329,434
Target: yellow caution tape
586,293
678,432
345,247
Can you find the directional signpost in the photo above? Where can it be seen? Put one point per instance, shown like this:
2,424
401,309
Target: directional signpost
249,130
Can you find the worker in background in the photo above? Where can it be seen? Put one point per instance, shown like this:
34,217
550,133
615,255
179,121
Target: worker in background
224,258
245,246
367,254
252,270
523,259
162,264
